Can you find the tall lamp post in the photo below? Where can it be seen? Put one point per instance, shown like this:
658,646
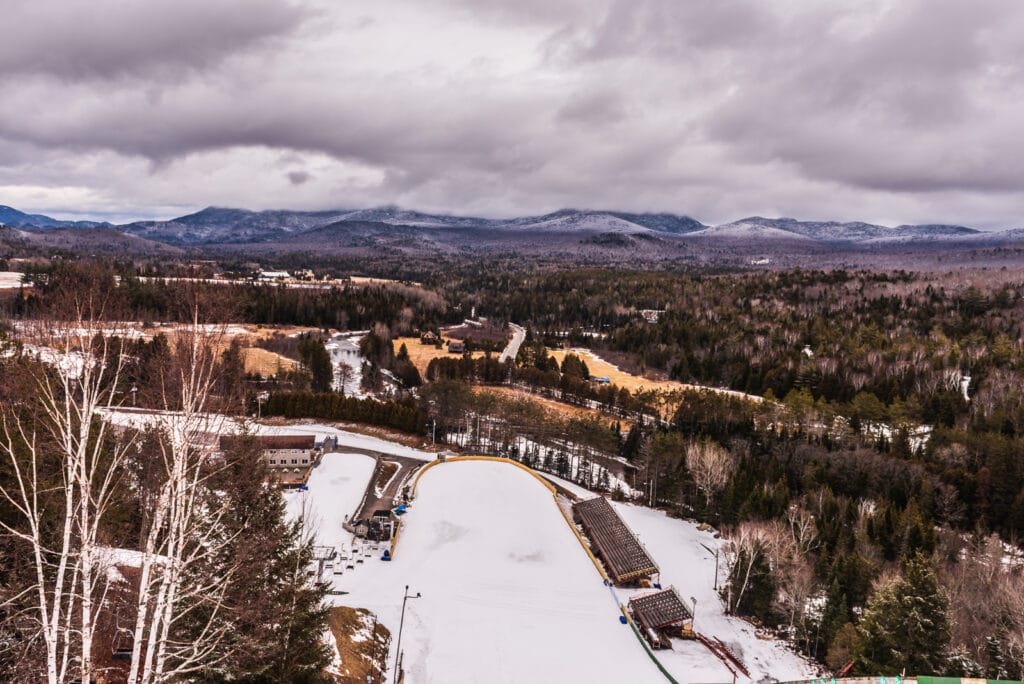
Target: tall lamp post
401,623
714,552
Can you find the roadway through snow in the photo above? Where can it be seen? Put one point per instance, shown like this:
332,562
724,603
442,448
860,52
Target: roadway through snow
512,348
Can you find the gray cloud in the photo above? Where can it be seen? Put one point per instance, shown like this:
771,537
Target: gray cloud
86,39
901,112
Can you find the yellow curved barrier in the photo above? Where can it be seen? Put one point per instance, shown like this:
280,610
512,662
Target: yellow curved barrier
550,487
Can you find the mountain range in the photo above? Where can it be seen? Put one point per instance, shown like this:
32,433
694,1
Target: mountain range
567,229
12,218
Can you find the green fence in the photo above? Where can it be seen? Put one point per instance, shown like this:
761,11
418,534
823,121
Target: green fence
897,679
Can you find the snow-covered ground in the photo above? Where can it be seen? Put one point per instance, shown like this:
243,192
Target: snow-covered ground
348,439
336,487
344,349
577,467
140,419
676,547
10,280
508,594
582,493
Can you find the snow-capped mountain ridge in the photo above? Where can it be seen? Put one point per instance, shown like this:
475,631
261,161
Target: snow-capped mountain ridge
9,216
227,225
854,231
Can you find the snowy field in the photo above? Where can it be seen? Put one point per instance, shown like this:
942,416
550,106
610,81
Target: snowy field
676,547
10,280
344,349
508,594
336,487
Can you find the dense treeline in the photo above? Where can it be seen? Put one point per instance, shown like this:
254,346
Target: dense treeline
824,526
401,414
349,307
540,373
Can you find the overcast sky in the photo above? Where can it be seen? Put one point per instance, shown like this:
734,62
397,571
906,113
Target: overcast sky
893,112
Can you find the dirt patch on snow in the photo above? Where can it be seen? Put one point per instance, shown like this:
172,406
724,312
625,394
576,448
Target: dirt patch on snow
362,645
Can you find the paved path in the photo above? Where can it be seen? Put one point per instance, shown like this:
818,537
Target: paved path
373,501
512,348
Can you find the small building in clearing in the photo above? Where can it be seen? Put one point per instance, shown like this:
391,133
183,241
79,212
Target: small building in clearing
456,346
290,457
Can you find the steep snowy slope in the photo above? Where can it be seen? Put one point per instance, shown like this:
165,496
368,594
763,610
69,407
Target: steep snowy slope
508,594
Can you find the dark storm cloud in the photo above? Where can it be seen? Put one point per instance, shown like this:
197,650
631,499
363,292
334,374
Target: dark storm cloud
76,39
871,110
593,108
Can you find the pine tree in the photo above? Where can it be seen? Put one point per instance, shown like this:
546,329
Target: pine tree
843,647
905,626
276,606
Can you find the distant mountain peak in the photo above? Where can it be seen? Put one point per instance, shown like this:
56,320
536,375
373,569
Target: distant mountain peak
9,216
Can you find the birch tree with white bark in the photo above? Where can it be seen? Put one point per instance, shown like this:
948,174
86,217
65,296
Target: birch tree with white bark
75,369
711,465
66,462
182,537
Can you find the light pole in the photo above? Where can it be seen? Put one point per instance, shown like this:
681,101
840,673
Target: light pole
715,553
401,624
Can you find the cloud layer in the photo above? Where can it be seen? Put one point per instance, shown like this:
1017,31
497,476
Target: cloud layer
884,111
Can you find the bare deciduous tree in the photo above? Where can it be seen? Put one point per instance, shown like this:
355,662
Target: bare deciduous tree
342,376
711,465
745,547
77,374
76,382
180,575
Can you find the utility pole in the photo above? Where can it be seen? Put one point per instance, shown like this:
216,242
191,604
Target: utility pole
401,624
260,398
715,553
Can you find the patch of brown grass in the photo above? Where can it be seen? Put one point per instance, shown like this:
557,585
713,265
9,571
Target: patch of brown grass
551,406
422,354
361,654
264,362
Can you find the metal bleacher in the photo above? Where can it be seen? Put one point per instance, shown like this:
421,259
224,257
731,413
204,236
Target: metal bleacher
660,609
625,559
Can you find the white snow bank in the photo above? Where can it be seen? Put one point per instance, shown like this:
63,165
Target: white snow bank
127,417
141,419
508,593
348,439
111,556
10,280
582,493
